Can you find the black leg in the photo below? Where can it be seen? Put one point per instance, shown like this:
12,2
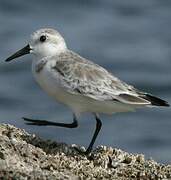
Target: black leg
97,130
35,122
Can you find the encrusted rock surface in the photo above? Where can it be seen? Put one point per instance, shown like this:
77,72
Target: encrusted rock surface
24,156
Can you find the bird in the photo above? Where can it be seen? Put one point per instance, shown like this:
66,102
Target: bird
79,83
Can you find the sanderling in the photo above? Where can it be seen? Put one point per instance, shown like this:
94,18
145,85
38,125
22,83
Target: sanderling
79,83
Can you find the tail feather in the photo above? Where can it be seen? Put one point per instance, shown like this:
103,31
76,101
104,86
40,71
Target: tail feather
155,100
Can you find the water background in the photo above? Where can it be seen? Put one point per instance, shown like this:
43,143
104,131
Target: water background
132,39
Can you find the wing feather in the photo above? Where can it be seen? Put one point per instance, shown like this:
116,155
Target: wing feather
83,77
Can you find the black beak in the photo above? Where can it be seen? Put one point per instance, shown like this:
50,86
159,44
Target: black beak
21,52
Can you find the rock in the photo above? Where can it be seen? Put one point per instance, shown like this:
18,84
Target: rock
24,156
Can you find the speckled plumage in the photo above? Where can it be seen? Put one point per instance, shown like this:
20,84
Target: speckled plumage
81,76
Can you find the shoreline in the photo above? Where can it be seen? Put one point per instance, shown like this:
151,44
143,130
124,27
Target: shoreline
26,156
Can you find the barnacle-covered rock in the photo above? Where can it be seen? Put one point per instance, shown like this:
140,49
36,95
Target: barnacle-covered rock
25,156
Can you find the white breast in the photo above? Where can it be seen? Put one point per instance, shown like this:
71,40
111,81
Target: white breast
50,81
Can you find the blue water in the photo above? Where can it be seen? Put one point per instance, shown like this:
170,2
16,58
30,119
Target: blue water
131,38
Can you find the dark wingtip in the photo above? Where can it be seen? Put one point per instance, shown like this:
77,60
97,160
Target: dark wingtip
155,100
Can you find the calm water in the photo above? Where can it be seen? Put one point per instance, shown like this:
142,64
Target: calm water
130,38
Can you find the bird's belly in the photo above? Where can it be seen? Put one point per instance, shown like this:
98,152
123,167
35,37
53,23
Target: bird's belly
78,103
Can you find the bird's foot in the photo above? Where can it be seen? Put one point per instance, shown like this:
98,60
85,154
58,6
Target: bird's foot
29,121
82,151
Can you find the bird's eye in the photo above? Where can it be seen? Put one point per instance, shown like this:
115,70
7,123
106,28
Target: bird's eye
42,38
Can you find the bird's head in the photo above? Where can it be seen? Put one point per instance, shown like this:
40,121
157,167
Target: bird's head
42,43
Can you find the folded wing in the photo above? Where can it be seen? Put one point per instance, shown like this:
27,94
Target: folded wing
83,77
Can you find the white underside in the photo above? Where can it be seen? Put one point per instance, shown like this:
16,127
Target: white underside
51,83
